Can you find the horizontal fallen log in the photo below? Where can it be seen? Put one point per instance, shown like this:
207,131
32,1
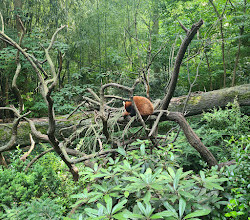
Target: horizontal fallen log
205,101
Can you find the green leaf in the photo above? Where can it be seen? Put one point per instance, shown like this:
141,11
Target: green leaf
171,209
211,186
198,213
171,172
108,201
186,194
121,151
119,206
91,211
147,197
80,217
202,174
182,207
95,167
142,208
142,149
176,179
163,214
120,216
126,194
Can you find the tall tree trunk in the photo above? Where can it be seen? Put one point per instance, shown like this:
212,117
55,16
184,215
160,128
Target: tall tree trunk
155,29
239,46
210,72
237,57
99,34
222,40
18,6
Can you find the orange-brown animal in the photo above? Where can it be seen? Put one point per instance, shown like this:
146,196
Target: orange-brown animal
144,106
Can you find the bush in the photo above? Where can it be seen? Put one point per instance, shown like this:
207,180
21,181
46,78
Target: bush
237,187
144,186
16,186
36,209
214,129
46,178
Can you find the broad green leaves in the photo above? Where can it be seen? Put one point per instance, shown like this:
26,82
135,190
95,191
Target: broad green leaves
128,192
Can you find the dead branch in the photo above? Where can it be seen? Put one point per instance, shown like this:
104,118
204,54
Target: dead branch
192,138
23,158
190,35
183,27
18,69
12,140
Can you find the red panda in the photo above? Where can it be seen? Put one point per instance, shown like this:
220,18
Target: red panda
144,106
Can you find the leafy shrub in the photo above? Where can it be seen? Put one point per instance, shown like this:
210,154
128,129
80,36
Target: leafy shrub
41,181
214,129
230,122
143,186
36,209
237,186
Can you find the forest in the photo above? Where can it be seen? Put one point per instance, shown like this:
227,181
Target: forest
79,141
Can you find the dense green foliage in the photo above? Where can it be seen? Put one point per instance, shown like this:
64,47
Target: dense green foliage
108,41
137,184
215,128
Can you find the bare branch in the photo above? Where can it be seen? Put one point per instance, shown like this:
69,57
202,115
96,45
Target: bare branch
54,37
15,88
23,158
1,16
190,35
94,94
12,140
183,27
193,139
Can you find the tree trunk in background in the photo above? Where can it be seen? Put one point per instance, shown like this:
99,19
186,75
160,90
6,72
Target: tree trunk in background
99,35
155,29
222,41
203,102
210,72
18,6
239,46
237,57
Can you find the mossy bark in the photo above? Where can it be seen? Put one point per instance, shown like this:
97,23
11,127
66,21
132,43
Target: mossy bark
203,102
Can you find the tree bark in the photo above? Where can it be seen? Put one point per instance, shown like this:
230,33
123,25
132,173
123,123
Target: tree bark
193,139
220,17
203,102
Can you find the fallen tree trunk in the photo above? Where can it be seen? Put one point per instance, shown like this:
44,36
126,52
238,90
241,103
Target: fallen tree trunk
198,103
204,101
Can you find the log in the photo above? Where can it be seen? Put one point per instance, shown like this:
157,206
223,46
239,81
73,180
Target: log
205,101
197,104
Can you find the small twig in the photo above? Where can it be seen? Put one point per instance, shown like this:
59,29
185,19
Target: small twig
81,104
94,94
23,158
37,157
155,124
12,140
182,26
